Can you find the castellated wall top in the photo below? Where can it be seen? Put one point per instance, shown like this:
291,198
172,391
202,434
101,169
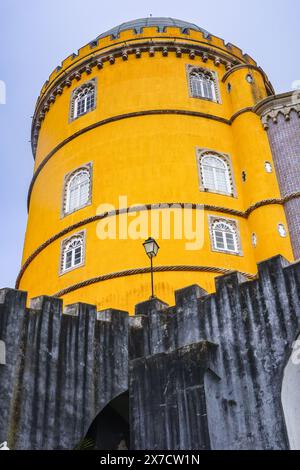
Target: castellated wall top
208,369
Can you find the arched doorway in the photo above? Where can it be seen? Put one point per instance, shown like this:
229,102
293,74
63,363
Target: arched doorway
290,396
110,428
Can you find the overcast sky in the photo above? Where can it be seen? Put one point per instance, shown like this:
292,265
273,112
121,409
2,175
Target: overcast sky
36,35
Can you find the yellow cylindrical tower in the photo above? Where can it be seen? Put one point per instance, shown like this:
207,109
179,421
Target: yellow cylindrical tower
150,130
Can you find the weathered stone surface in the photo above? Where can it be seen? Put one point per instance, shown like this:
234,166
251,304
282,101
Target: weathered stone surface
254,324
204,374
167,399
12,305
69,368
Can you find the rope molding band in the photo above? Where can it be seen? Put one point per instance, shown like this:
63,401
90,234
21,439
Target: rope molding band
98,217
120,117
132,272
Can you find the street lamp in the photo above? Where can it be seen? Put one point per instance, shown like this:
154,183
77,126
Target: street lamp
151,249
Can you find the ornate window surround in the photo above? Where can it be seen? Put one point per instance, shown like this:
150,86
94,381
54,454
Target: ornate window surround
190,68
93,82
63,243
67,177
211,220
200,153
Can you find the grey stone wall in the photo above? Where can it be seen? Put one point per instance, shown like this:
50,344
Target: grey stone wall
284,137
205,373
62,369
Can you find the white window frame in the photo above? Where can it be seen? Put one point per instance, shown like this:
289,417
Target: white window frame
229,177
74,100
63,269
233,228
282,230
213,77
2,352
268,167
66,210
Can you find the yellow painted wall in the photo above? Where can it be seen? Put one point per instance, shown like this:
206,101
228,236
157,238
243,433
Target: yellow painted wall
151,159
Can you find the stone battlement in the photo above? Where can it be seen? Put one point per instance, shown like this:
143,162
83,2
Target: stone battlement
207,371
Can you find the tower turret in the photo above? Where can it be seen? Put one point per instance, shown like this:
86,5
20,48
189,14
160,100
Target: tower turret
150,130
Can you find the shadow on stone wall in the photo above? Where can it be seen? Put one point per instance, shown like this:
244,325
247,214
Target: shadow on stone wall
204,374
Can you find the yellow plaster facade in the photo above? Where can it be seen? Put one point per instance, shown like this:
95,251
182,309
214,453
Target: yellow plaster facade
142,141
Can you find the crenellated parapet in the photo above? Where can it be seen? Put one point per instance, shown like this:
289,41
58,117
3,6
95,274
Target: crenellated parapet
206,373
131,44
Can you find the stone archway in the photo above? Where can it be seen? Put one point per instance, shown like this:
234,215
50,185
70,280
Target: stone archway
110,428
290,396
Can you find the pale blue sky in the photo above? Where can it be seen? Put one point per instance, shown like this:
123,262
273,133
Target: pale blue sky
35,35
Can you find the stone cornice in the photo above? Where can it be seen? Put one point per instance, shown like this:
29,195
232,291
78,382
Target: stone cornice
223,210
123,51
271,107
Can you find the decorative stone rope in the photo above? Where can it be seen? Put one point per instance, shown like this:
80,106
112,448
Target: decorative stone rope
98,217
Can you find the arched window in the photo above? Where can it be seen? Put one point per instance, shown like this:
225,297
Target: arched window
72,255
83,99
224,236
203,84
215,174
77,190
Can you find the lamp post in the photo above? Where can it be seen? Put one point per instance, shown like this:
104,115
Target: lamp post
151,249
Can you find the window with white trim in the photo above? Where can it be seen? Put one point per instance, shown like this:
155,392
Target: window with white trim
83,99
225,236
215,174
203,84
77,189
268,167
72,253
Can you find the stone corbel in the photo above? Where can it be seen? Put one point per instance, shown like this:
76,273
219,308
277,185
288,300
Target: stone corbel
151,51
178,52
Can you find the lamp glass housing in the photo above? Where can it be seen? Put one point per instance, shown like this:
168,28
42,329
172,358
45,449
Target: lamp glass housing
151,247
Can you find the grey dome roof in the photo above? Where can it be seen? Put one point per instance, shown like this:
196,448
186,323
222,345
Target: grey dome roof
159,23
